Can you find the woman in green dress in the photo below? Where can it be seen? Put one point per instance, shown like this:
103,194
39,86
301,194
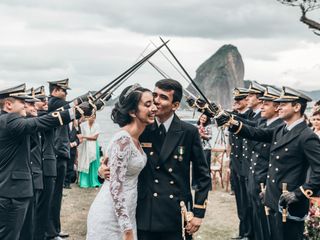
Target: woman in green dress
89,154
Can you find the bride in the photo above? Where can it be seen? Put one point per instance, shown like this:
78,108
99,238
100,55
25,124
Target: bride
112,213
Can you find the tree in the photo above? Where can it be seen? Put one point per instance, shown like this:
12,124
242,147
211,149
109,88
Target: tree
306,6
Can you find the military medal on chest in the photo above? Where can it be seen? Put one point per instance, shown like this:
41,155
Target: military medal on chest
181,152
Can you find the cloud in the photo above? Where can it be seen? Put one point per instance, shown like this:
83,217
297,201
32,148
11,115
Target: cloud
217,19
93,42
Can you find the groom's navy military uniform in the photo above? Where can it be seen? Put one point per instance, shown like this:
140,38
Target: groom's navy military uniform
165,181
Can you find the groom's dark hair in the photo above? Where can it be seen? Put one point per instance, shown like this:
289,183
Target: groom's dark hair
170,84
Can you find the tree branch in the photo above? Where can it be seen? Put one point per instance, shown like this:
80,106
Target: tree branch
309,22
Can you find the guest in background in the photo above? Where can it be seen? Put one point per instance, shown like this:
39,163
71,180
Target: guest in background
316,107
316,122
205,132
308,120
75,140
89,154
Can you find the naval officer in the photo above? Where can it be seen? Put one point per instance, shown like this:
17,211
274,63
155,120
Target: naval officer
294,148
16,185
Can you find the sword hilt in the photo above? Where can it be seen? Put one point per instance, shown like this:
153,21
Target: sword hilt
185,217
284,210
266,209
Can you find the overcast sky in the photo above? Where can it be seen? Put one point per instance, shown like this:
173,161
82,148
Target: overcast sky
92,42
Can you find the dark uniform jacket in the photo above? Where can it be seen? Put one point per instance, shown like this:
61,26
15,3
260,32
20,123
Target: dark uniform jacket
247,145
165,181
260,155
259,161
15,177
290,156
236,143
36,160
61,133
49,161
74,138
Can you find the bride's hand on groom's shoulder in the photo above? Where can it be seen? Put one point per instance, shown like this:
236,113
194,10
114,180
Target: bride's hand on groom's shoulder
104,170
128,235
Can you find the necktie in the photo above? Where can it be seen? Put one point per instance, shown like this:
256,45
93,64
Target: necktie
285,130
162,133
263,125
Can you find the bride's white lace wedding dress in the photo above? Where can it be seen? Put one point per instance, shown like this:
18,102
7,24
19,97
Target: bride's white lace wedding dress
114,208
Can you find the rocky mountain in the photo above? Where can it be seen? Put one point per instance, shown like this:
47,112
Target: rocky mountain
219,74
315,95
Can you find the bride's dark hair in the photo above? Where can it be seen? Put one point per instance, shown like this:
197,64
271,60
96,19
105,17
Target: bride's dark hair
128,102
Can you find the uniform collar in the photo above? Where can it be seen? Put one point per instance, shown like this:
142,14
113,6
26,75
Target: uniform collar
300,120
167,123
245,110
271,120
3,112
257,111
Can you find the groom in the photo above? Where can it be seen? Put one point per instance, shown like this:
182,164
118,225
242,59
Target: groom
171,145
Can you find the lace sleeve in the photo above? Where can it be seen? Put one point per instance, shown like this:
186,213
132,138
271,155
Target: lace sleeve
209,131
119,156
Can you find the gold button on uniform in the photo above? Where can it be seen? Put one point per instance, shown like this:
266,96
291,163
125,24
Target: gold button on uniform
156,181
286,149
171,182
155,194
